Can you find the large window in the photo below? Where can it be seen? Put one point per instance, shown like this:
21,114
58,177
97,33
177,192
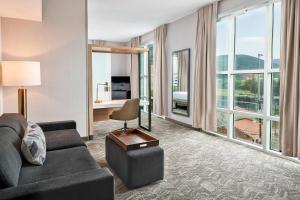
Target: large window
248,62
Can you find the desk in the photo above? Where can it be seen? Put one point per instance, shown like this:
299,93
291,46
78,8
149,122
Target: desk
101,111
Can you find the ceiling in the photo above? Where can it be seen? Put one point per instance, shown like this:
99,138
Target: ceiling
21,9
120,20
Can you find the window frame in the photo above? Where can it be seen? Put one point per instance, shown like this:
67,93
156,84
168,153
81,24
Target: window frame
267,72
146,75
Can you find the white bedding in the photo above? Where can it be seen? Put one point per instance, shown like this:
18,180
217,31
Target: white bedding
180,96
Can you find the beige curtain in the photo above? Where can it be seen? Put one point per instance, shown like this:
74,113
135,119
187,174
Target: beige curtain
183,70
204,110
134,73
160,93
290,79
97,42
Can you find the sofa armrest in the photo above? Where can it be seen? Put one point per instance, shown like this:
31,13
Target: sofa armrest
59,125
93,185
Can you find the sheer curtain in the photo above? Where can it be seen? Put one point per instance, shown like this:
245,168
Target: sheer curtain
290,79
204,112
160,93
134,72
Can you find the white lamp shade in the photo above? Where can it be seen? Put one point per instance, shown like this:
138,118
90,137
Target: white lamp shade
21,73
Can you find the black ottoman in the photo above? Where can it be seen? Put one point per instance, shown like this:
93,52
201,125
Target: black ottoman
135,167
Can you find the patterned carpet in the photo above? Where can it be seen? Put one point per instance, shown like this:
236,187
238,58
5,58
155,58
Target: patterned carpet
201,166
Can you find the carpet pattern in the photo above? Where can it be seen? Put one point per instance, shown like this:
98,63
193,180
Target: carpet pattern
202,166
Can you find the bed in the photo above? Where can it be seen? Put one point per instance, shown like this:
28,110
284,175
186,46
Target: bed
180,98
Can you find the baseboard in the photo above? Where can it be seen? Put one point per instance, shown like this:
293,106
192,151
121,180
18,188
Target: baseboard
180,123
85,138
189,126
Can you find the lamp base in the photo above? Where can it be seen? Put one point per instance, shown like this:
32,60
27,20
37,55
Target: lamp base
98,101
22,101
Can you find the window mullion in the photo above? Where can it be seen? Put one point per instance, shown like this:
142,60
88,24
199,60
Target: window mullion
267,78
230,76
272,70
145,77
248,71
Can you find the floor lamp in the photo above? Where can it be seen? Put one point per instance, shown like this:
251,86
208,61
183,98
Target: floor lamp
21,74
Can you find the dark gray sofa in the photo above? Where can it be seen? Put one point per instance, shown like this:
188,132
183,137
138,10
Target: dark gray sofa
69,171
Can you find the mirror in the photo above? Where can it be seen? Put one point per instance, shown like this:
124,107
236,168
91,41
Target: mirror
181,82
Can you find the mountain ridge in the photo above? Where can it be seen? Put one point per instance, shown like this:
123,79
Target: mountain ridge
244,62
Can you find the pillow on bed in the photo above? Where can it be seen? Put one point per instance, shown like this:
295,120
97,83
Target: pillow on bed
34,144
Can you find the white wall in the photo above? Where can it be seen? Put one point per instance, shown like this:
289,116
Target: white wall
101,74
59,43
29,9
120,65
181,35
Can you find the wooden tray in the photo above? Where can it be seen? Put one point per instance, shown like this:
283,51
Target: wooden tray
133,139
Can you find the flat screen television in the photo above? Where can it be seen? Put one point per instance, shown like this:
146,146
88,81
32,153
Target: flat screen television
120,87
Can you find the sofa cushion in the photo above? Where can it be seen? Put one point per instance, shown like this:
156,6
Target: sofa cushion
10,157
62,139
15,121
34,144
59,163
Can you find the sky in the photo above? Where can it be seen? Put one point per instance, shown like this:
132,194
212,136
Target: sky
251,31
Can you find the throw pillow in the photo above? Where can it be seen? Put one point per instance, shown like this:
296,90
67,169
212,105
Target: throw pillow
34,144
